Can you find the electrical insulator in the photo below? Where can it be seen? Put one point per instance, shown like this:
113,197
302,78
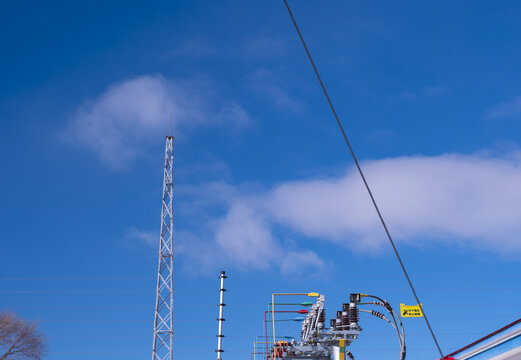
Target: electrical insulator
321,319
378,314
353,315
345,316
332,324
349,355
339,320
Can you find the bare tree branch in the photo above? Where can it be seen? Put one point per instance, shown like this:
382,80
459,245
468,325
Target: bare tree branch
20,339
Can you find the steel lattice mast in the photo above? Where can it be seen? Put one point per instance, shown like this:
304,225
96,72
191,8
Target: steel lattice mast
163,320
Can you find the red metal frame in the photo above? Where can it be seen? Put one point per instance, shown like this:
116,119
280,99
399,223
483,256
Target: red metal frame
450,356
302,311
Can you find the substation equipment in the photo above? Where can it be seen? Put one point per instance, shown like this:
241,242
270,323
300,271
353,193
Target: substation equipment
321,342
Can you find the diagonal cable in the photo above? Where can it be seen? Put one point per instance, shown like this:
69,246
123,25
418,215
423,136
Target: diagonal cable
362,175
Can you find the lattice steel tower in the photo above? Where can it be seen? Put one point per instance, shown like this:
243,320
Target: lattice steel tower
163,320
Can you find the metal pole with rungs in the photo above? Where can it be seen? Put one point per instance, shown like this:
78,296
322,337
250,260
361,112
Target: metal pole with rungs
221,319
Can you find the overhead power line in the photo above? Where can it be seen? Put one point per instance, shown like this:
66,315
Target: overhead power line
244,319
249,305
77,278
362,175
268,277
238,291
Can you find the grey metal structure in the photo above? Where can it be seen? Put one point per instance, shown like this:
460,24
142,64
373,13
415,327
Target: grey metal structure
220,319
163,319
320,343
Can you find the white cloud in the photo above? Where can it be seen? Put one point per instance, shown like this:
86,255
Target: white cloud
293,262
470,201
238,235
245,236
473,200
243,239
131,114
506,109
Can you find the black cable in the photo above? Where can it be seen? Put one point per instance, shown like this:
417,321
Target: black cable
362,175
401,341
385,304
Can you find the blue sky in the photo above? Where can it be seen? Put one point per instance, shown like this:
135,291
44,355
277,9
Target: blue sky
428,93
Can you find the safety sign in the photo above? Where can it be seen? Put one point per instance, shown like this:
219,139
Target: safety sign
410,310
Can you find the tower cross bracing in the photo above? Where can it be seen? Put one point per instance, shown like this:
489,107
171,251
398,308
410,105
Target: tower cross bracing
163,319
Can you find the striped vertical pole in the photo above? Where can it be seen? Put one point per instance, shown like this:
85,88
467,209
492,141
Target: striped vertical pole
221,319
342,346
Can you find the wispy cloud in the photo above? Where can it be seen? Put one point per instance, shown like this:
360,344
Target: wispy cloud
381,136
506,109
228,229
426,92
149,238
272,88
470,201
193,48
208,166
265,46
434,90
119,124
243,238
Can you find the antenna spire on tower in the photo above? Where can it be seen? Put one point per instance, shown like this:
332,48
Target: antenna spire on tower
171,117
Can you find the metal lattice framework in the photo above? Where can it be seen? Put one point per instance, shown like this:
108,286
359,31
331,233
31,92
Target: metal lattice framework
163,320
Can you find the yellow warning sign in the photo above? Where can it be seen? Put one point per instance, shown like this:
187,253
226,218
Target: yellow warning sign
410,310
